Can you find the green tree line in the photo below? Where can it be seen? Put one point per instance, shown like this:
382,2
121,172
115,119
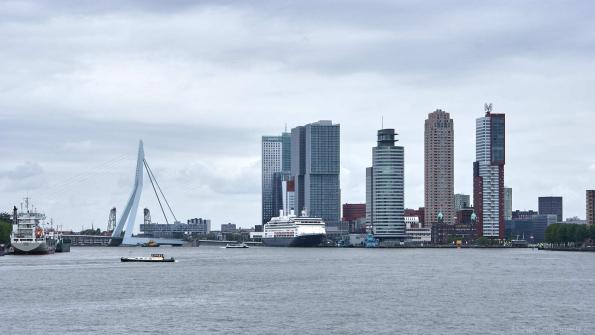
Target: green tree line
5,228
565,233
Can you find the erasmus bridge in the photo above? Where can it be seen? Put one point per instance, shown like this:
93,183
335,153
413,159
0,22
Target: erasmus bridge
128,218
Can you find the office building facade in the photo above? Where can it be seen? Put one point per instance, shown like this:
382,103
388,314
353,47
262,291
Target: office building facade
385,188
551,205
315,167
532,228
354,211
540,224
590,206
354,217
272,162
276,166
488,174
507,203
462,201
228,228
439,167
523,215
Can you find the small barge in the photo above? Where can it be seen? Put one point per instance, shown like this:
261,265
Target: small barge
236,246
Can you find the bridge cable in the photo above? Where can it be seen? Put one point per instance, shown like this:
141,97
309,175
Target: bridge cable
155,190
159,187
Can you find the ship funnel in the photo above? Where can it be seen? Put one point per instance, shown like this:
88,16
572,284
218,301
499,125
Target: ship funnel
281,213
14,215
292,212
304,212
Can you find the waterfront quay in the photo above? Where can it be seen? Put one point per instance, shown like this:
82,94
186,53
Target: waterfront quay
567,248
104,241
89,240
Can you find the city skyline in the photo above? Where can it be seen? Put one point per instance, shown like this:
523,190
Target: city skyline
104,81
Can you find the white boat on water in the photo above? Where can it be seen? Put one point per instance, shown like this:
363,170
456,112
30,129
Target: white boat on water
236,246
30,232
155,258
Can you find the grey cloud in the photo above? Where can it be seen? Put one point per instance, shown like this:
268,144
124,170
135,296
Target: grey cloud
26,170
22,178
396,37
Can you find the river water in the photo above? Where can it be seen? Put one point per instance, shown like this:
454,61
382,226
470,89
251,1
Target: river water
210,290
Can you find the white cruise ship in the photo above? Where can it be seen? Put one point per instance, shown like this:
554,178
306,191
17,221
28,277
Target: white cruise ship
292,231
30,234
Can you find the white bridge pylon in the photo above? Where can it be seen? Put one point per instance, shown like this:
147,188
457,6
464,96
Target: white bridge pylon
128,218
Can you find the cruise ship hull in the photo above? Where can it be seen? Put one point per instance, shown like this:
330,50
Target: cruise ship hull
299,241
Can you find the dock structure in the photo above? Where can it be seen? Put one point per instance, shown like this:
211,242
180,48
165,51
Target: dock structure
88,240
104,241
224,243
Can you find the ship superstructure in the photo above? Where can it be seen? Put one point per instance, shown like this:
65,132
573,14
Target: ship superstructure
30,232
293,231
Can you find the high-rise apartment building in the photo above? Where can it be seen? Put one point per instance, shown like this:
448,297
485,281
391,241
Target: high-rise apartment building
507,203
439,168
385,185
276,155
488,174
590,206
462,201
315,166
551,205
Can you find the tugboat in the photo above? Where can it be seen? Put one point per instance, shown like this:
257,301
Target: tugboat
150,244
155,258
370,241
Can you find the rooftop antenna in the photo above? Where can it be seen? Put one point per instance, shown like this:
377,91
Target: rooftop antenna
285,126
382,122
488,108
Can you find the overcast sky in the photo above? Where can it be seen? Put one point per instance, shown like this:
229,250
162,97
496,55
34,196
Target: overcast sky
200,82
